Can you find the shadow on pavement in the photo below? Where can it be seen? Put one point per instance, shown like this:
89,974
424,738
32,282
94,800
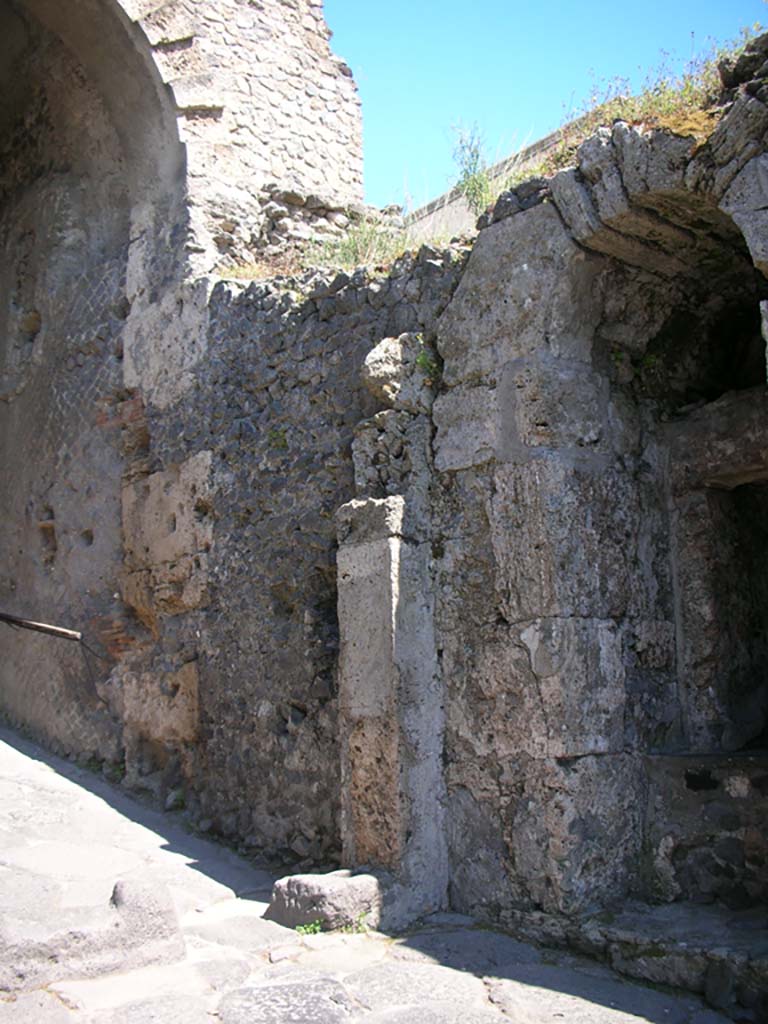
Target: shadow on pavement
212,859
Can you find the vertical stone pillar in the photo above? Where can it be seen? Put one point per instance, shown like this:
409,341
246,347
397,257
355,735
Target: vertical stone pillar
390,709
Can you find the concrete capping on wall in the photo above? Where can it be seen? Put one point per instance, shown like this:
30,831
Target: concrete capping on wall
449,214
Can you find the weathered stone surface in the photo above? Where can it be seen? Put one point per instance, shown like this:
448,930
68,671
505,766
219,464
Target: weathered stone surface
425,975
339,899
436,1013
547,994
650,162
704,838
167,538
549,403
597,160
249,933
391,453
35,1008
170,1009
166,709
364,521
390,714
573,582
672,945
548,688
576,203
313,1002
402,372
506,308
550,513
746,201
717,469
403,984
468,427
574,828
138,927
469,949
578,685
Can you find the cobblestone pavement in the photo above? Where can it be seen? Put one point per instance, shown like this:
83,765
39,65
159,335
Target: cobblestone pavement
113,914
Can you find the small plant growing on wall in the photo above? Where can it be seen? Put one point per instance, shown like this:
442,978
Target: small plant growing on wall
367,243
427,362
474,181
313,928
276,438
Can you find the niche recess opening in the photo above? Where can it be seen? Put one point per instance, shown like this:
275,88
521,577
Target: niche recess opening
704,376
711,340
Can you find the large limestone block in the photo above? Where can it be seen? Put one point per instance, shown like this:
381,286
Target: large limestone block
167,534
597,163
549,688
738,137
653,161
564,538
552,403
574,829
526,285
723,444
747,203
468,427
339,899
578,684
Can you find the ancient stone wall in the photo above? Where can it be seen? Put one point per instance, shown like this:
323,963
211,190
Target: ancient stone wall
64,230
595,486
231,550
135,139
260,99
542,595
578,605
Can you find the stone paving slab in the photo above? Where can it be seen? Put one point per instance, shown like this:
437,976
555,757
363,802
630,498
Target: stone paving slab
35,1008
549,994
408,984
223,963
309,1002
467,949
438,1013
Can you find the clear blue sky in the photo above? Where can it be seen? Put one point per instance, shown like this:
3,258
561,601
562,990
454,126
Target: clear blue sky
515,69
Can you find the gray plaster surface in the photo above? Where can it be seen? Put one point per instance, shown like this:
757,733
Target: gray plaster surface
113,914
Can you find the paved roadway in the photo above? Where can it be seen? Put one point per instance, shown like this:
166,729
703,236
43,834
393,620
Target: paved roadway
112,914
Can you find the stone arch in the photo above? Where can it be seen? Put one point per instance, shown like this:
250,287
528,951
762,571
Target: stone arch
641,198
615,516
108,58
682,226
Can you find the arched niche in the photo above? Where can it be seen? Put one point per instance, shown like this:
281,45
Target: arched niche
682,338
91,216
